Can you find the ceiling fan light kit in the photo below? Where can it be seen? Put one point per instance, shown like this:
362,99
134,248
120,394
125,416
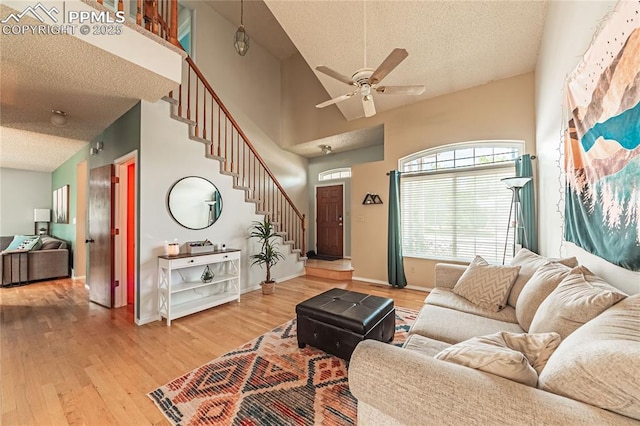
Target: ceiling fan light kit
326,149
366,81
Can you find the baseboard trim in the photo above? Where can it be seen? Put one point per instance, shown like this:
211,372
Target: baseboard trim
147,320
290,277
369,280
250,289
418,288
410,287
81,277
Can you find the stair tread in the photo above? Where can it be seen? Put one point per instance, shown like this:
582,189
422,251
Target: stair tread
170,100
199,139
184,120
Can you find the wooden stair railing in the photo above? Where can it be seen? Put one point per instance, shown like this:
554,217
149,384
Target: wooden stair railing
197,104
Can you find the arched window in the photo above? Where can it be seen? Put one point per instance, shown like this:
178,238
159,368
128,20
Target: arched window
454,205
342,173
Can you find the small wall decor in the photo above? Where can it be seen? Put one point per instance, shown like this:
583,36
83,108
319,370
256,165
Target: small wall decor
61,205
371,199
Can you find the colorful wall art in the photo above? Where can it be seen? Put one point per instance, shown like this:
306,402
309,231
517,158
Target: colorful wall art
61,205
602,143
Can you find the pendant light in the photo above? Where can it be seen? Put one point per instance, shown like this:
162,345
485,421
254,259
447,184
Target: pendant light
241,40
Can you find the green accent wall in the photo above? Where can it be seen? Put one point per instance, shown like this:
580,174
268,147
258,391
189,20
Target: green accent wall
120,138
335,161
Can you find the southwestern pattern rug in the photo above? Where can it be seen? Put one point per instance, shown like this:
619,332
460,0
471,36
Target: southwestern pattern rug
268,381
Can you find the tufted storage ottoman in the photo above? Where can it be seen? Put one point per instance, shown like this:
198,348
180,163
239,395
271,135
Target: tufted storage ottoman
337,320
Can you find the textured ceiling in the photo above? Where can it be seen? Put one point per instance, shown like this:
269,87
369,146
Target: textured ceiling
45,72
343,142
259,23
452,45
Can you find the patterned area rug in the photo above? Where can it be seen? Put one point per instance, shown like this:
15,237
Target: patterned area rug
268,381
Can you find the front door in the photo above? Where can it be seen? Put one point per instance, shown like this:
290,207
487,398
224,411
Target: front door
329,220
101,219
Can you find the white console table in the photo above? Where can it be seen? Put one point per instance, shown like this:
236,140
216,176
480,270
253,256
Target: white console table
182,292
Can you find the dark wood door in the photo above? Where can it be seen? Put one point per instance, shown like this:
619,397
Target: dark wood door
101,238
329,220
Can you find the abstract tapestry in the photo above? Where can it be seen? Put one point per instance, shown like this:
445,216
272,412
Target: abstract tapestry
602,143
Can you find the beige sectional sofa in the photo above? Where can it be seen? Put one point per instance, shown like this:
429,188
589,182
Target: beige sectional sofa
593,377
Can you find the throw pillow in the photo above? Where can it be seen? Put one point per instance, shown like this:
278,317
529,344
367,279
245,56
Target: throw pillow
513,356
529,263
599,363
580,297
541,284
486,285
49,243
17,242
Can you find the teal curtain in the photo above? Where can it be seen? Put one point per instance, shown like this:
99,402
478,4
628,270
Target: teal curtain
528,204
395,267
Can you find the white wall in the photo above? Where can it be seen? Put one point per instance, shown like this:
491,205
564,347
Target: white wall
166,155
569,29
21,191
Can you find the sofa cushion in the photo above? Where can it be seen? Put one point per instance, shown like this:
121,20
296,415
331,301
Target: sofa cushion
424,345
580,297
529,262
599,363
486,285
541,284
508,355
451,326
448,299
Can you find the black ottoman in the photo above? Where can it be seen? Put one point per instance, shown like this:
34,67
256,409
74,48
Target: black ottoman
337,320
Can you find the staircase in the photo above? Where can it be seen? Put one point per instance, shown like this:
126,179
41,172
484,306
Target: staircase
210,122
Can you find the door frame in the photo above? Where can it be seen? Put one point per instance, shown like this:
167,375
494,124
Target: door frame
120,245
315,213
82,204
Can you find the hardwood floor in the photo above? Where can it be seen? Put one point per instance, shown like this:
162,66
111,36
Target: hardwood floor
64,360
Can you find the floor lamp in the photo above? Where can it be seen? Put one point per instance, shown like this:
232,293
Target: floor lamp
515,184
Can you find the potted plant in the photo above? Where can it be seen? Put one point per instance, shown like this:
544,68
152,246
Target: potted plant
269,255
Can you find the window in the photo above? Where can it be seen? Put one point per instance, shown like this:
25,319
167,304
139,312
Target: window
454,205
343,173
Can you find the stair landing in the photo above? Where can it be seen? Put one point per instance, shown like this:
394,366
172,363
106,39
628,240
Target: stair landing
339,270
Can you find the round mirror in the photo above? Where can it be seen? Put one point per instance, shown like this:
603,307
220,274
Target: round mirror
194,202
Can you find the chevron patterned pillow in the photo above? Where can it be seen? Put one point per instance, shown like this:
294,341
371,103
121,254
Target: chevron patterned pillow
485,285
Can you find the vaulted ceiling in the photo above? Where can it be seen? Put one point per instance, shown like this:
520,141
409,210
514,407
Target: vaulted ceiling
452,45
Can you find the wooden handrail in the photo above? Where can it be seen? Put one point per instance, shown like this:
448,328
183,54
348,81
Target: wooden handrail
240,132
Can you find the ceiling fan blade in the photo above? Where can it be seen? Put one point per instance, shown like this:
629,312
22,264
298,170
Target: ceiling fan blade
368,105
336,100
401,90
392,61
335,74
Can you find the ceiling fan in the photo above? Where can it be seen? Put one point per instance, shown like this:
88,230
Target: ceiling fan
367,80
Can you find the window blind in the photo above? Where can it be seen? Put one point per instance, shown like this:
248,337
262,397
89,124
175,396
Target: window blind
456,215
